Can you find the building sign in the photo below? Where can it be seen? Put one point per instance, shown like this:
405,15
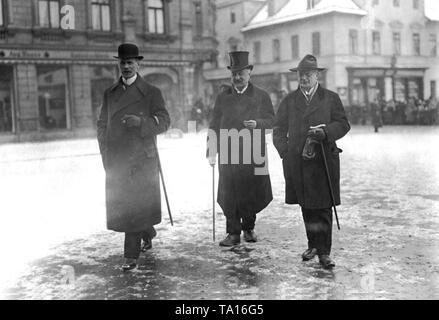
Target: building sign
51,54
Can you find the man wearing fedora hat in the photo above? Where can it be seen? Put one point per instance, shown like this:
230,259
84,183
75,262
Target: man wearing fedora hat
247,109
133,113
307,117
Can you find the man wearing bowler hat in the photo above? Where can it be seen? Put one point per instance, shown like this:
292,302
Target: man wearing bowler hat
241,109
307,119
133,113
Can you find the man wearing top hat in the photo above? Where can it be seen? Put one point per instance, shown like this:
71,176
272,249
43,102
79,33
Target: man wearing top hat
133,113
307,117
242,191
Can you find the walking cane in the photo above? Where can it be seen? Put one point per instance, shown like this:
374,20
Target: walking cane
329,183
213,201
163,181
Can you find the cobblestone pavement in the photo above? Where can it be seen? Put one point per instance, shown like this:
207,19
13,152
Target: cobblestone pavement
56,245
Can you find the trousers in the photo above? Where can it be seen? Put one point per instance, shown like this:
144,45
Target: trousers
318,226
133,242
236,222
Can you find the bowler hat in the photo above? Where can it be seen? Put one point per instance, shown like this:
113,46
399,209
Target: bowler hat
239,61
128,51
309,62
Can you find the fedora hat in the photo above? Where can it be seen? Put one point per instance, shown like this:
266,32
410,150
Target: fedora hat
128,51
239,61
309,62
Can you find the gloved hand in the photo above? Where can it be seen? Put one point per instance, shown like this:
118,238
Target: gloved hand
212,160
131,120
250,124
317,134
309,151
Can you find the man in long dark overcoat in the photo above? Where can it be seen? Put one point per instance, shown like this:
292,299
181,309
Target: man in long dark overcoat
133,113
299,147
244,186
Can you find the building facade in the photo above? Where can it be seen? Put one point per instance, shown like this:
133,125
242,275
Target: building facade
369,49
57,58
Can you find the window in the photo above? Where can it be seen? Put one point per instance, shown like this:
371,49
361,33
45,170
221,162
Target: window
257,52
316,43
232,17
156,16
397,43
376,2
353,41
2,20
295,46
101,15
416,44
415,4
48,13
311,4
433,89
433,45
198,19
376,42
396,3
276,50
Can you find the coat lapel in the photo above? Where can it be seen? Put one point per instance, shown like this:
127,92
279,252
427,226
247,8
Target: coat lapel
120,99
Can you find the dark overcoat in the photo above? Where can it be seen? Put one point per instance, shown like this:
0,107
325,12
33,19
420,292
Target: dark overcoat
239,188
129,155
305,180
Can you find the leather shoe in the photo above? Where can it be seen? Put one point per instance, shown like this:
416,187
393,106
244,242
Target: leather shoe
230,241
326,261
146,245
309,254
250,236
129,264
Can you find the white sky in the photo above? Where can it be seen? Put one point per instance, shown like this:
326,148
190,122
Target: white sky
432,9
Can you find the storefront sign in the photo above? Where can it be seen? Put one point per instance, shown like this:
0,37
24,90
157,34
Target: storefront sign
50,54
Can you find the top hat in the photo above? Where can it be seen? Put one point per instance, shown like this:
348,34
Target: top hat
309,62
239,61
128,51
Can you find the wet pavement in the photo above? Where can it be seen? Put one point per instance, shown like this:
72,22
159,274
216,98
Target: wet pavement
56,245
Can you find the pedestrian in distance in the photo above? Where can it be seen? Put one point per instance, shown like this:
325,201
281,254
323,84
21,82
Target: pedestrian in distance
133,113
308,121
242,191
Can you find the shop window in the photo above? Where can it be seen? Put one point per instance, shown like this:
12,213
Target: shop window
232,17
397,43
276,50
295,46
48,13
396,3
257,52
101,15
6,116
433,92
101,77
416,44
376,42
353,41
52,97
316,43
156,16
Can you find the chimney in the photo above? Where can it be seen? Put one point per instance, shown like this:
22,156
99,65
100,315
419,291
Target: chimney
275,5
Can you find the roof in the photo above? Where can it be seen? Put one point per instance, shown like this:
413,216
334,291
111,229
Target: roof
296,10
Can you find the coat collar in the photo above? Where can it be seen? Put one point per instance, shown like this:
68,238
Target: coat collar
117,92
314,105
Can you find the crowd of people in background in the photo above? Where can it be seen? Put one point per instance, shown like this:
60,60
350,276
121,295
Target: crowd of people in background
410,112
378,113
